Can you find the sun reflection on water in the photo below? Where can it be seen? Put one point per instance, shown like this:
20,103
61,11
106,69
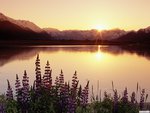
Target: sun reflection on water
99,54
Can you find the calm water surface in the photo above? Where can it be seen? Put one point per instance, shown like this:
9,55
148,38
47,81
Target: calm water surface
104,63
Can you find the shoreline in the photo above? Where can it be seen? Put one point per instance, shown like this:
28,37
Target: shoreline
68,42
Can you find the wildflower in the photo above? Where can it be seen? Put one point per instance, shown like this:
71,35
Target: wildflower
74,81
125,96
64,98
25,88
57,82
18,89
85,94
72,98
71,105
142,99
9,94
79,94
61,80
116,98
38,73
133,98
47,79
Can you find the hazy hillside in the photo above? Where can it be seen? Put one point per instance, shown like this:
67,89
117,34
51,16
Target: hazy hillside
22,23
11,31
142,36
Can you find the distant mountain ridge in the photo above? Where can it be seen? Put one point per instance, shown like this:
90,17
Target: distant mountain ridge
16,30
140,37
85,34
22,23
12,29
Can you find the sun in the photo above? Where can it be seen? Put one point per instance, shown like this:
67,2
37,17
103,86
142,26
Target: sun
100,27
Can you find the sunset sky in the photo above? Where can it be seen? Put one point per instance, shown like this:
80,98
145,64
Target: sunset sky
80,14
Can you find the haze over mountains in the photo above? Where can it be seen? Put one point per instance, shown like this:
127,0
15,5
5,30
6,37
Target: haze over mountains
11,29
86,34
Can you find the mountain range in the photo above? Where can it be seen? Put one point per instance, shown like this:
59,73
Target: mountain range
16,30
22,30
22,23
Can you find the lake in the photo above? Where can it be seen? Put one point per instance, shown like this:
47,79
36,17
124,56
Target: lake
124,66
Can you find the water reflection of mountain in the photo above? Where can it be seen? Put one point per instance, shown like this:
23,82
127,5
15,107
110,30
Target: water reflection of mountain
8,54
115,50
143,51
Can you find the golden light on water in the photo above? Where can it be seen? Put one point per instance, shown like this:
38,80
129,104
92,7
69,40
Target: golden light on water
99,54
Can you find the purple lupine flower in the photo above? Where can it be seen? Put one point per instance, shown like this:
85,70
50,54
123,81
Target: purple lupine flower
73,96
62,90
133,98
47,79
74,81
79,95
116,98
56,85
18,88
25,88
71,105
85,94
125,96
57,82
38,73
68,98
50,78
142,99
64,98
61,81
9,93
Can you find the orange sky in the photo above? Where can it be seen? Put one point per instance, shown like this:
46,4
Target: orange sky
80,14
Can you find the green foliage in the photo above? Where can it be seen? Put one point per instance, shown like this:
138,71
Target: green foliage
11,106
2,99
127,108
